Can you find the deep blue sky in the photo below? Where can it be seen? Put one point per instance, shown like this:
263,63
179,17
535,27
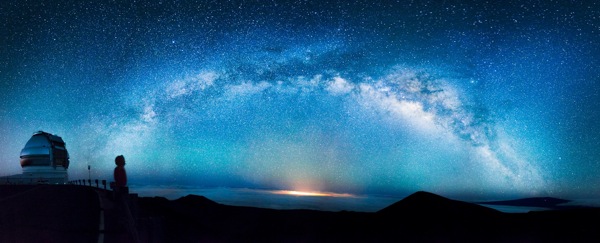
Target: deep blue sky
465,99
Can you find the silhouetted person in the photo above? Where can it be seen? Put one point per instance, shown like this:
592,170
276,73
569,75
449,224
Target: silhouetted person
121,197
120,174
119,187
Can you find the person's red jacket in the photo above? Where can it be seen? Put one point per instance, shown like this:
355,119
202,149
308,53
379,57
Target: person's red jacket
120,176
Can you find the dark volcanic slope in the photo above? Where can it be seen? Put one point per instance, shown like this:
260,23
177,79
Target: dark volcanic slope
196,219
422,217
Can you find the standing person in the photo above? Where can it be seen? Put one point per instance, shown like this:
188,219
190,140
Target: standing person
121,197
120,174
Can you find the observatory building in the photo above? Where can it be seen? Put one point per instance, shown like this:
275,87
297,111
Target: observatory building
44,160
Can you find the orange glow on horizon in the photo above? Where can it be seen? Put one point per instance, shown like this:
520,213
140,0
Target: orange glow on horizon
311,194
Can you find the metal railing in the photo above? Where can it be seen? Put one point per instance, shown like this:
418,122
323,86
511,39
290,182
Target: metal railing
89,182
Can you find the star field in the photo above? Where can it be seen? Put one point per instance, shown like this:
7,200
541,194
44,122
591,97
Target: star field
462,98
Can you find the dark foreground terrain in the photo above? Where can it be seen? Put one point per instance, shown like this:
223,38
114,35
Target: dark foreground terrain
85,214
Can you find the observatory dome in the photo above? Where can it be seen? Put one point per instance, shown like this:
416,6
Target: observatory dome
44,150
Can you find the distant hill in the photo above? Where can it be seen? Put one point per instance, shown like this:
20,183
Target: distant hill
433,217
426,203
197,201
545,202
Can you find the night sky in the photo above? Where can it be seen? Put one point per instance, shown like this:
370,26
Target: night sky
465,99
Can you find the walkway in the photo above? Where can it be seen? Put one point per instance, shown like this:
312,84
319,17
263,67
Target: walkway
64,213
